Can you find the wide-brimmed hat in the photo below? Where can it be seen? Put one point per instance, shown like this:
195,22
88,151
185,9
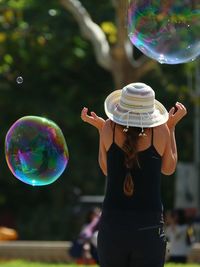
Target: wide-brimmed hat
135,105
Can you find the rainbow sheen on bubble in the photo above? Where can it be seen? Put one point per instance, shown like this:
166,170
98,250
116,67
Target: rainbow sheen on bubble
165,30
36,151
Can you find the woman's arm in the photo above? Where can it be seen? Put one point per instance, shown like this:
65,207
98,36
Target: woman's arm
98,123
170,157
102,155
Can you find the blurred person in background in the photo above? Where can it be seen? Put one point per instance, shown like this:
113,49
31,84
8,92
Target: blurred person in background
84,248
180,234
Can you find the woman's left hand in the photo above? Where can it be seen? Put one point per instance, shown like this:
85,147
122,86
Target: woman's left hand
92,119
176,116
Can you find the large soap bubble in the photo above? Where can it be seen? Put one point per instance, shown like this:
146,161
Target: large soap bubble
36,151
165,30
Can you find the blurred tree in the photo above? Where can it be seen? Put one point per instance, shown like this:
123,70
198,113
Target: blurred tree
112,49
56,66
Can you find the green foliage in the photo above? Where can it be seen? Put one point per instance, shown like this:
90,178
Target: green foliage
42,43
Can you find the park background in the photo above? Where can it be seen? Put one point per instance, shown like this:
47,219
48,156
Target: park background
65,68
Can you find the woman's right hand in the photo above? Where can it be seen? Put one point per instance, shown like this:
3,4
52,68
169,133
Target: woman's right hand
176,116
92,119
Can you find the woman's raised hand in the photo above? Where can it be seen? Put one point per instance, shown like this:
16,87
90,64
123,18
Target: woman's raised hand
92,119
176,114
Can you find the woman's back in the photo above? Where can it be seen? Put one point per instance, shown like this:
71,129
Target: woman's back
145,175
160,136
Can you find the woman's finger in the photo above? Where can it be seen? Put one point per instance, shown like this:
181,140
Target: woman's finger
94,115
171,112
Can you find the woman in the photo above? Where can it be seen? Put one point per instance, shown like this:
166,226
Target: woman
137,144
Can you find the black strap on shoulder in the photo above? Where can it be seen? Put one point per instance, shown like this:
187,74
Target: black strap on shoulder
114,132
152,136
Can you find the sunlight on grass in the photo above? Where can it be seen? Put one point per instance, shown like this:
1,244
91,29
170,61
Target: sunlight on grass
21,263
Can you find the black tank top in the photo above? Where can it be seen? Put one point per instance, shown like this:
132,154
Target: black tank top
146,178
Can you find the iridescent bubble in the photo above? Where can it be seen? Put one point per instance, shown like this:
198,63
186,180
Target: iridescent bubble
19,80
165,30
36,151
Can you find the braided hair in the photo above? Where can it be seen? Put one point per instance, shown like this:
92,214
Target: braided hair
130,146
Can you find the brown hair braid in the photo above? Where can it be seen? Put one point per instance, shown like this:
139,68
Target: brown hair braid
130,146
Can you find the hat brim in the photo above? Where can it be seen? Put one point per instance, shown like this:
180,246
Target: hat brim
147,120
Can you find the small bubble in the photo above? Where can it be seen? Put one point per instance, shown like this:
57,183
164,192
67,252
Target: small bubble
52,12
19,80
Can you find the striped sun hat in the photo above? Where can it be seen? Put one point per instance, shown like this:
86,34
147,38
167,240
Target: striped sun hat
135,105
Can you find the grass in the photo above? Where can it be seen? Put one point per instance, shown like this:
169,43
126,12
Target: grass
22,263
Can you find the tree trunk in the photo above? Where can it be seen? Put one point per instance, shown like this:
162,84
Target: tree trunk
123,71
116,59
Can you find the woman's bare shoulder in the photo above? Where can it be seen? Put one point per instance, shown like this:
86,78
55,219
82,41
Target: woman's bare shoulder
161,138
107,125
162,129
107,133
